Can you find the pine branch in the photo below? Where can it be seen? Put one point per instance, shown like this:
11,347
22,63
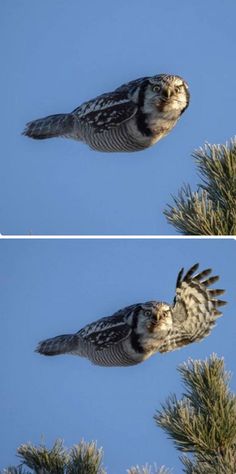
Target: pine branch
203,422
86,458
211,210
82,458
15,470
148,470
42,460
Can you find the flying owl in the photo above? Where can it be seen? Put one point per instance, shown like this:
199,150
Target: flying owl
133,334
131,118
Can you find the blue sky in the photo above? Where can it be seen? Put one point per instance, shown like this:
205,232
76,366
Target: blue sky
53,287
57,54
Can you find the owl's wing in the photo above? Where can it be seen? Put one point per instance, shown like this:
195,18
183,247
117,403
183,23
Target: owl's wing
105,337
195,308
102,341
131,85
109,330
107,111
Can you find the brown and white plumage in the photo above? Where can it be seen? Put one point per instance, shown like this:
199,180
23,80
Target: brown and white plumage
136,332
132,117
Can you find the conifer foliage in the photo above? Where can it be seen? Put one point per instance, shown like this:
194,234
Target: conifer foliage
203,422
83,458
202,425
211,210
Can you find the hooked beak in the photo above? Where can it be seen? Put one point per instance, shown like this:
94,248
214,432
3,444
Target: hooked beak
153,322
167,92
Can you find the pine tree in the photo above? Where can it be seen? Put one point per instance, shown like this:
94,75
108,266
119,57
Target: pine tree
211,210
203,422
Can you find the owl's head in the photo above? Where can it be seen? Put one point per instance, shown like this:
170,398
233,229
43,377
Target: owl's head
168,93
155,317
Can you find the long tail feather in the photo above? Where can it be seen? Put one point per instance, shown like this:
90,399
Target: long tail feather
59,125
58,345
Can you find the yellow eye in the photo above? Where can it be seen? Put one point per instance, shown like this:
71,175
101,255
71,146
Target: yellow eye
164,315
178,89
156,88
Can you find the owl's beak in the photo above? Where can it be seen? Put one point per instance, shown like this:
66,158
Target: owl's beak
154,321
167,92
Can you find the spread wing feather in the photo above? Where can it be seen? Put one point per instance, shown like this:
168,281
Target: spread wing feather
195,308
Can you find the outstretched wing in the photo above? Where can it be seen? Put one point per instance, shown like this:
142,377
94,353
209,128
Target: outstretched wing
195,308
107,110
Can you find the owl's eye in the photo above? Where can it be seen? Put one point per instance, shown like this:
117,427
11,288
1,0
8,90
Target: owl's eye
178,89
148,313
156,88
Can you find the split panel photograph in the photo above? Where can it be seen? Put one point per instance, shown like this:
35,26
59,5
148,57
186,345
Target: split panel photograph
117,237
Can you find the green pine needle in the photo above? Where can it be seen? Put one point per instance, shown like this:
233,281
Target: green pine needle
203,422
211,210
83,458
148,470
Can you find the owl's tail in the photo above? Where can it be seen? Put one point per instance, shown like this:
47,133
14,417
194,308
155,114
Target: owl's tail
58,345
60,125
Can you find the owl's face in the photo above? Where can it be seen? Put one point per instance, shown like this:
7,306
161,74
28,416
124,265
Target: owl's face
168,93
156,317
154,324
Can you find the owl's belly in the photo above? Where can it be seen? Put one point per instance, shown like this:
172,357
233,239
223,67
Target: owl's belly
122,138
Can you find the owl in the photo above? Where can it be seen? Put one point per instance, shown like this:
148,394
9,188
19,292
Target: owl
135,333
133,117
